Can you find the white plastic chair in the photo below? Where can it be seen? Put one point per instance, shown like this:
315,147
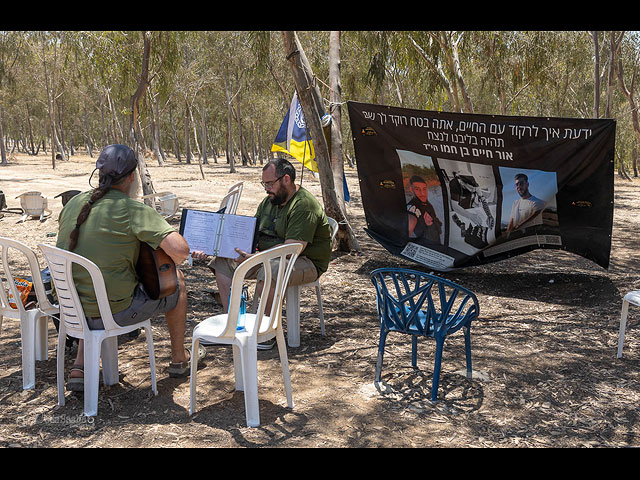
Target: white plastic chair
258,327
293,301
232,199
167,203
97,343
34,204
629,298
34,321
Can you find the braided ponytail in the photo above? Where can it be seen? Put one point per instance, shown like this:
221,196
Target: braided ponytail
97,194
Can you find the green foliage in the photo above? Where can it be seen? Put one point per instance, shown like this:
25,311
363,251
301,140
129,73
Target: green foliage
94,74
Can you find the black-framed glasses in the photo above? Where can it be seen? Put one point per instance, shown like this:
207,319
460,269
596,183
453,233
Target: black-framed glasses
268,185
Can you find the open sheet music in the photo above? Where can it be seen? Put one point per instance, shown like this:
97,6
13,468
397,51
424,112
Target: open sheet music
217,234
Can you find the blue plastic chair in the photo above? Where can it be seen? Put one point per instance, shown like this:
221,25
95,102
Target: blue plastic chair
420,304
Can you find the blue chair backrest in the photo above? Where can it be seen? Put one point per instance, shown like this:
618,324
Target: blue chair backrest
419,303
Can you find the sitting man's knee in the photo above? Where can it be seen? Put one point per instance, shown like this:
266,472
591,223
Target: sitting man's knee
304,271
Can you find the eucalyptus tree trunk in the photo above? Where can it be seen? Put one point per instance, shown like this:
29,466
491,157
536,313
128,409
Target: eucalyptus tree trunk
195,139
227,90
261,150
346,241
105,133
31,143
186,133
596,75
203,136
134,126
244,157
62,142
87,133
214,145
176,142
3,150
453,80
253,143
195,131
614,49
116,129
629,93
155,130
437,66
59,146
455,62
50,83
311,102
54,138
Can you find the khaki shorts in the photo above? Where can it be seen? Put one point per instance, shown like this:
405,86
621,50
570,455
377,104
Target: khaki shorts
304,271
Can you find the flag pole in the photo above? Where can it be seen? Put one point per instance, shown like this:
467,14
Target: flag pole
304,153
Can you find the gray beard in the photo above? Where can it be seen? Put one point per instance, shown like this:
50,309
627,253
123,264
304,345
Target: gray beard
134,187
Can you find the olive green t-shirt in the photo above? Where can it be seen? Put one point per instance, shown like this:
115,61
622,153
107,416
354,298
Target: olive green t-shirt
301,218
110,238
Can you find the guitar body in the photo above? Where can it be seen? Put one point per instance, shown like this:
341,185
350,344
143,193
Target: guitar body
156,271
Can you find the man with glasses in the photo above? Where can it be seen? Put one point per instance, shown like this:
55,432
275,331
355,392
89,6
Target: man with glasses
526,210
288,214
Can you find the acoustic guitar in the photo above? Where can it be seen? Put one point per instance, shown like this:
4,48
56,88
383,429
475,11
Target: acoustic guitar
156,271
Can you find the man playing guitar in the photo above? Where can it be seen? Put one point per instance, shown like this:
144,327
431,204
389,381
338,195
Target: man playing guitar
107,225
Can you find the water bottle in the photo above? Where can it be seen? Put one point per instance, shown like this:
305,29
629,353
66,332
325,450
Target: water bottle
243,308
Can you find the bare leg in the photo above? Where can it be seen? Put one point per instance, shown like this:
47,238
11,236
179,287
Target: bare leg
79,361
224,287
176,323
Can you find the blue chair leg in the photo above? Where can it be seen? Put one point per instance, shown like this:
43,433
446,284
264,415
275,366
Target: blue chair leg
467,349
414,351
383,339
436,369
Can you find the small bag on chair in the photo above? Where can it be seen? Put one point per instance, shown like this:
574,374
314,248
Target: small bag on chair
24,287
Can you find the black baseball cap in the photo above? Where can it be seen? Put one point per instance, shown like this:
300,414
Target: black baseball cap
114,163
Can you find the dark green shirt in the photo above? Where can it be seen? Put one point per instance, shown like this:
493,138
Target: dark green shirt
110,238
301,218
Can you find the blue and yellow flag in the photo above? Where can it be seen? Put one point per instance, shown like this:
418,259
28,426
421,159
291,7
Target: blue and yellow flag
293,137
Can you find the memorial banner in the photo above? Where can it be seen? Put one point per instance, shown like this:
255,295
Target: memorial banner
451,190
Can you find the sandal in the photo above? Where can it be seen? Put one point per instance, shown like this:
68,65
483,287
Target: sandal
182,369
76,384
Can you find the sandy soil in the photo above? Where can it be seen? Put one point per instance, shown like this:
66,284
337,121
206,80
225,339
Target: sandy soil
544,349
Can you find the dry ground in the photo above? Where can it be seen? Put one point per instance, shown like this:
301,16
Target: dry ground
544,350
